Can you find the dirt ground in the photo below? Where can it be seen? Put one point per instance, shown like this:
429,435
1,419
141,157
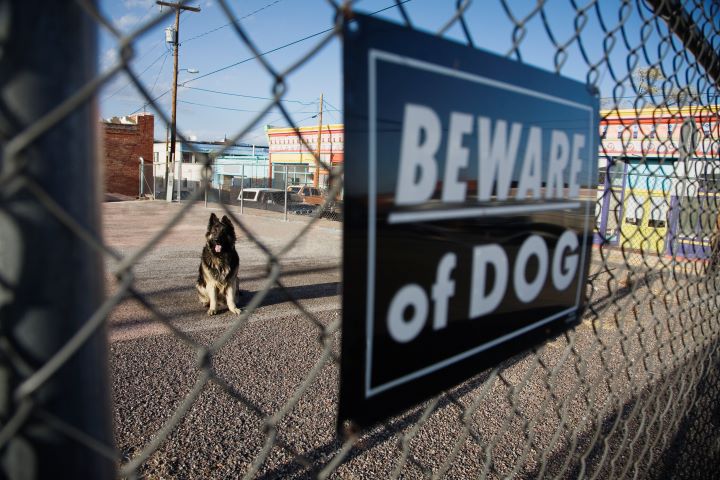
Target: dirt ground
606,398
167,273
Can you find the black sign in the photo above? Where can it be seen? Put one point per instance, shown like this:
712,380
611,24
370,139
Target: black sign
469,203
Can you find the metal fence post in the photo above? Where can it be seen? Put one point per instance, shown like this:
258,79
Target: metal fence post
142,176
242,187
178,178
51,281
154,180
206,178
169,179
286,191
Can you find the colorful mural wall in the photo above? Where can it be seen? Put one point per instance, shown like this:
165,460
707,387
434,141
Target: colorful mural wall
659,178
288,152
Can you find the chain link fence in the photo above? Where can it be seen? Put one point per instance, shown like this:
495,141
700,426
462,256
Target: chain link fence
247,186
632,391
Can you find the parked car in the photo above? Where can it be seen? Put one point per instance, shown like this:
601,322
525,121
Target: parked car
262,197
301,208
294,189
306,194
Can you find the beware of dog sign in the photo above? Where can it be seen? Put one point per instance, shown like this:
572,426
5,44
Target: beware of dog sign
469,201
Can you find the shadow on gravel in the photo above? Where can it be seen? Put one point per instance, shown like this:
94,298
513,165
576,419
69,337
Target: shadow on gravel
186,296
691,443
597,305
321,455
300,292
275,295
689,451
685,443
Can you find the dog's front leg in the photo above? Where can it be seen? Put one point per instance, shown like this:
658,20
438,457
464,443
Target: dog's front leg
230,297
212,295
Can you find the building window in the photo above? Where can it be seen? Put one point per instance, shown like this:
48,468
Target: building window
658,212
616,172
602,174
706,128
652,133
709,180
697,217
635,131
671,128
620,130
604,131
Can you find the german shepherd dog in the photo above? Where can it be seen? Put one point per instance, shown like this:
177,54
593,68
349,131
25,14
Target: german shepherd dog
219,266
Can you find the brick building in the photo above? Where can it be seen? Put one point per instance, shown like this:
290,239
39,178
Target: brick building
125,140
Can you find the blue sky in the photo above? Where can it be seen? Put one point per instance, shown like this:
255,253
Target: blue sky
212,105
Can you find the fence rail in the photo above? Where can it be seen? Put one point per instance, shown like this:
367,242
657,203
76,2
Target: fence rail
632,391
247,187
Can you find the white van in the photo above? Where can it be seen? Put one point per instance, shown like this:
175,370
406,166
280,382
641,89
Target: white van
262,195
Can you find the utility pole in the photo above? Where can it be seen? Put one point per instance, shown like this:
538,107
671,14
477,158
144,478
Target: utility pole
316,179
176,46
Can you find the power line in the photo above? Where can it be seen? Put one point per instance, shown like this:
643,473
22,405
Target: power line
331,106
167,52
296,121
230,108
155,45
287,45
144,105
283,118
306,118
219,107
332,110
277,119
243,95
266,53
158,75
262,54
147,12
164,55
230,23
251,133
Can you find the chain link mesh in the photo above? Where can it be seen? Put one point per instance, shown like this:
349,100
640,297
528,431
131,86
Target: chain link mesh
632,391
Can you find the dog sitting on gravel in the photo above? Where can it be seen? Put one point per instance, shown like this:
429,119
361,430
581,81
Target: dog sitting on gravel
219,266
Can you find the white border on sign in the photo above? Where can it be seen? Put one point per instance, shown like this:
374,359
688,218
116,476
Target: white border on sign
404,217
476,212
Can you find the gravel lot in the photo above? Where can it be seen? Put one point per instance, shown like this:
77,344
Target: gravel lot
612,398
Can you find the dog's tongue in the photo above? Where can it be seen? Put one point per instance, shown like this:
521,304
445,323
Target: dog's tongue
218,248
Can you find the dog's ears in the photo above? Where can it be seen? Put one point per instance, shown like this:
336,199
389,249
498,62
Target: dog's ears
228,224
213,220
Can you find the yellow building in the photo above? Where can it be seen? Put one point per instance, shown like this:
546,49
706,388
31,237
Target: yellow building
288,152
644,180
